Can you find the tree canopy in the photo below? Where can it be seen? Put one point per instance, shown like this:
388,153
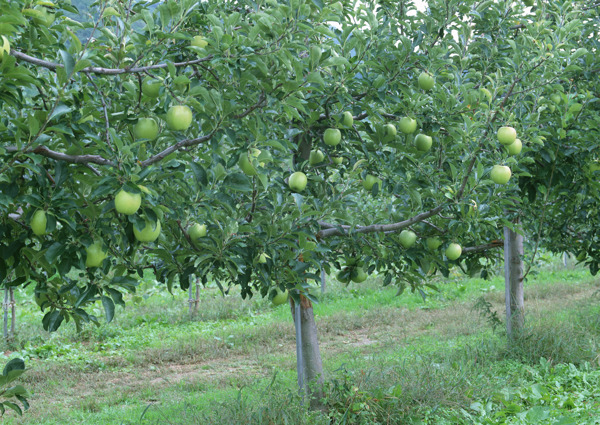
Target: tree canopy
84,117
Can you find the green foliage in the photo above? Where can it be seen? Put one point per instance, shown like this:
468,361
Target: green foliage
272,78
11,395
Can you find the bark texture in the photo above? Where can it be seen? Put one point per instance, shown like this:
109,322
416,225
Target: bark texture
513,278
312,364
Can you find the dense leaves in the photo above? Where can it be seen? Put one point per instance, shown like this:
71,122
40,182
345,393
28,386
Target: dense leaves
271,79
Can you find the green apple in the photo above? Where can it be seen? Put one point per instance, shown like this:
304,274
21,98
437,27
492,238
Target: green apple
151,87
316,157
337,160
390,130
500,174
179,117
407,238
332,136
38,223
149,233
407,125
556,98
280,297
197,231
246,164
426,81
515,147
433,243
423,142
595,166
347,119
199,41
95,255
370,181
297,181
5,47
506,135
262,258
127,203
358,275
145,128
453,251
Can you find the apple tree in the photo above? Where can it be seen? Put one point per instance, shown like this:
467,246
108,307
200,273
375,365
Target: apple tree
254,144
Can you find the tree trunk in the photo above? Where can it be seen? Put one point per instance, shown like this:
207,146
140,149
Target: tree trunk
513,279
311,364
13,313
5,305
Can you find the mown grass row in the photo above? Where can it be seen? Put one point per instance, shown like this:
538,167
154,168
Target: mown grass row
388,359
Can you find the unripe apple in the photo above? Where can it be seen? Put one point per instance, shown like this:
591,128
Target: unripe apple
453,251
38,223
199,41
426,81
332,136
127,203
337,160
5,47
280,297
370,181
407,238
347,119
262,258
151,87
316,157
423,142
507,135
197,231
358,275
246,165
515,147
95,255
556,98
433,243
407,125
179,117
390,130
500,174
297,181
145,128
149,233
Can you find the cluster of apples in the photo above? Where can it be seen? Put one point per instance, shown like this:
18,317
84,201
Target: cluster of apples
331,137
507,136
407,238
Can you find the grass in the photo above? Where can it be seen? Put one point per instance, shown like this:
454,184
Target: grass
388,359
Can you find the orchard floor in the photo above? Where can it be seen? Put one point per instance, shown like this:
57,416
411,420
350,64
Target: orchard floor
387,359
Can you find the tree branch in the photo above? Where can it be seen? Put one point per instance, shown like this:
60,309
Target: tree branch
177,146
106,71
378,228
59,156
478,248
251,109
